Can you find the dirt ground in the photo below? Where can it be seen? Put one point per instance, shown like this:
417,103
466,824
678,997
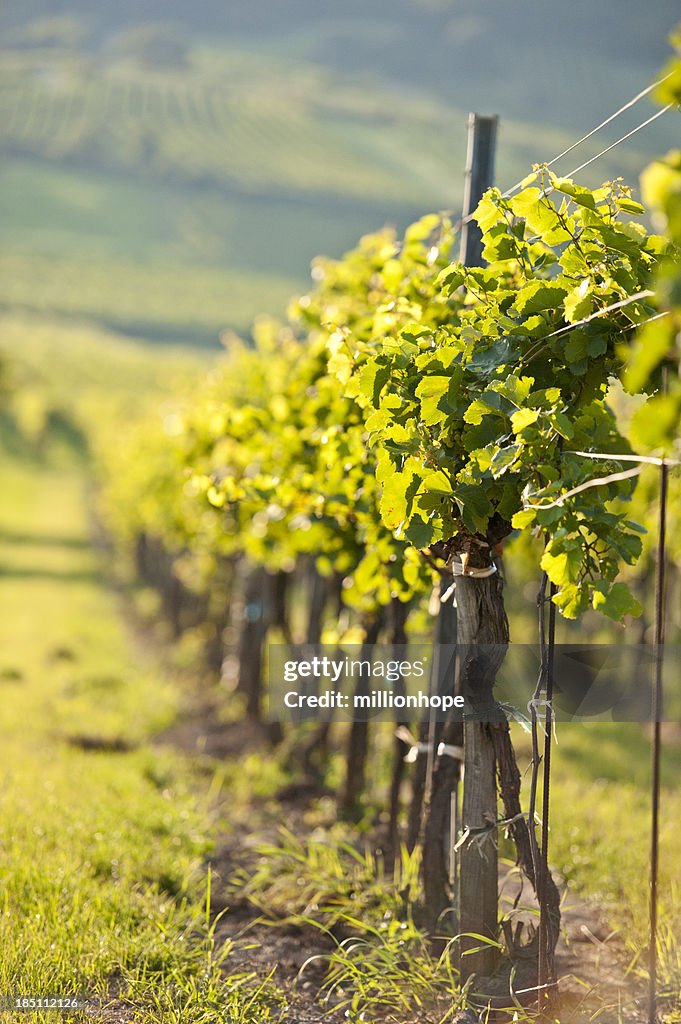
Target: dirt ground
591,958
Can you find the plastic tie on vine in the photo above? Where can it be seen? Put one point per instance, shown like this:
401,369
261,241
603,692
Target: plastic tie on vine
516,715
475,574
478,835
416,747
449,750
413,752
540,702
459,567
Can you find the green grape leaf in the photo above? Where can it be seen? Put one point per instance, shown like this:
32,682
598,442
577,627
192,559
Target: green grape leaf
564,566
474,505
372,378
562,425
450,278
526,517
487,213
523,418
515,389
541,216
504,459
572,600
630,206
419,533
579,302
430,390
435,482
582,196
475,412
614,600
539,295
396,499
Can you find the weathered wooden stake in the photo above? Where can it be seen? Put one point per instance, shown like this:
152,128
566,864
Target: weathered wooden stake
483,636
478,883
482,138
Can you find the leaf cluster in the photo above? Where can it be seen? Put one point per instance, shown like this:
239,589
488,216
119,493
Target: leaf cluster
476,417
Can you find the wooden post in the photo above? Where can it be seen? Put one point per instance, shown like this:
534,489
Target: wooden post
253,632
358,740
483,637
482,620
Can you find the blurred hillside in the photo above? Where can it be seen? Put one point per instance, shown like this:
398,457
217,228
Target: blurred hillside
171,169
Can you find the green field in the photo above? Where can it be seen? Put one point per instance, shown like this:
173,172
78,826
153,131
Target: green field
225,119
177,201
165,303
179,204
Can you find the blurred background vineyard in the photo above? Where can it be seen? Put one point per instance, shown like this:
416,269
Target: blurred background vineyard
170,171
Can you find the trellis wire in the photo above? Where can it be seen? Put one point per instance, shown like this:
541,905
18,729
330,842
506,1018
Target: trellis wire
646,460
585,138
646,294
587,485
644,124
593,159
622,304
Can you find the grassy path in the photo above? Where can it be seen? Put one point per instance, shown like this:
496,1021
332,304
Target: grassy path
102,835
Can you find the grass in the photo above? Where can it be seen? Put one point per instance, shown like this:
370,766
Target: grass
380,966
391,974
323,877
600,834
105,832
